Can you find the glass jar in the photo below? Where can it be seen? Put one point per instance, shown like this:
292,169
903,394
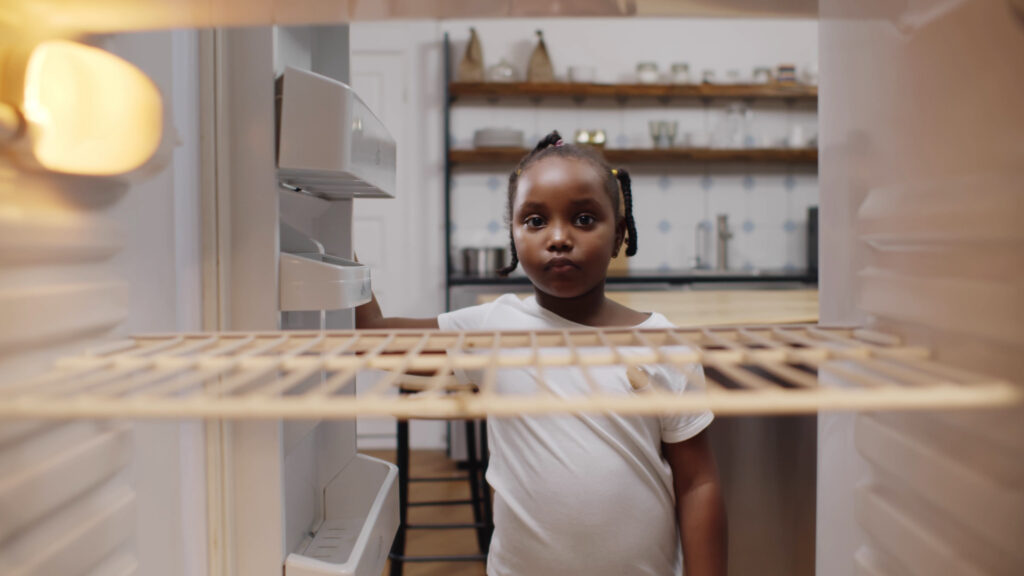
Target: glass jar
762,75
681,73
647,72
502,72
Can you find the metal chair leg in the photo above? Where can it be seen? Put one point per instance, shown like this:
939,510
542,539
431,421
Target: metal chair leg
474,485
485,489
397,555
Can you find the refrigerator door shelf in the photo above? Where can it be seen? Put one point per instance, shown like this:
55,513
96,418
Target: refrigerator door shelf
331,144
361,505
312,281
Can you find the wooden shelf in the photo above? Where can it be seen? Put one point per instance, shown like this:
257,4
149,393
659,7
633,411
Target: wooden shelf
774,91
511,156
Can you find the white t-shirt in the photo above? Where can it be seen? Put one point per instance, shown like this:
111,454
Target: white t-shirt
581,494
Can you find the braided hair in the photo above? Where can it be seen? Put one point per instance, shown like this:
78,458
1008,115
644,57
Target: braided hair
613,180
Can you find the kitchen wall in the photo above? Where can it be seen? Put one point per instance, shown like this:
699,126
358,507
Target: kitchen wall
766,204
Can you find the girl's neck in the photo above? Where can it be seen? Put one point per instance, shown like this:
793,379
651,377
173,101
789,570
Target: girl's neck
589,308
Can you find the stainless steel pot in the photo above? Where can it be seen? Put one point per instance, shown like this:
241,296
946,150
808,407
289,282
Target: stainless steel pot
482,261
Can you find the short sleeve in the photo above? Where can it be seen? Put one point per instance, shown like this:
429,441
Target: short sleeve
688,379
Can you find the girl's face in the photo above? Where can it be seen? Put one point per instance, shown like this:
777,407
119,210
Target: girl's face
564,226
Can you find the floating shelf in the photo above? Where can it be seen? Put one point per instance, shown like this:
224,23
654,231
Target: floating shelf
773,91
307,375
511,156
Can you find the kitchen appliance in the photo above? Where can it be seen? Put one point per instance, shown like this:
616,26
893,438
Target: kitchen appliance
920,239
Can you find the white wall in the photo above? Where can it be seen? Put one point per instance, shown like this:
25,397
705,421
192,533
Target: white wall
766,204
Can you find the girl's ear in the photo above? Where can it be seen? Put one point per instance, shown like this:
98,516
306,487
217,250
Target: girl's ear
620,236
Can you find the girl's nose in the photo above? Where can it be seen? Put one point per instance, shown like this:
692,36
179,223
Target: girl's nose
560,239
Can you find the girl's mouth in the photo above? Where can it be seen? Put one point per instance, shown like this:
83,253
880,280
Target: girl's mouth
560,265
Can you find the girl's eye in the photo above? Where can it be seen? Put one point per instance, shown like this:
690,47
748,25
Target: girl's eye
534,222
585,220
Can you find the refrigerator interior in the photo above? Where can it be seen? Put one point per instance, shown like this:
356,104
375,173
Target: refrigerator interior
921,156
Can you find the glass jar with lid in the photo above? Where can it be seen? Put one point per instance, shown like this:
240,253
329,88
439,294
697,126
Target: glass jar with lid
647,72
681,73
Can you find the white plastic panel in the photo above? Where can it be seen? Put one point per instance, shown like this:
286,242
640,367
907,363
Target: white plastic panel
73,542
984,507
47,477
312,281
44,314
361,506
331,144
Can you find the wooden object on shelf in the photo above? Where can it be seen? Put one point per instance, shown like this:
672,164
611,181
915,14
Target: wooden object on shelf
773,91
511,156
540,68
471,68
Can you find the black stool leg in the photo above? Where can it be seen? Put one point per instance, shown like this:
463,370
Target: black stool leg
484,488
402,458
474,485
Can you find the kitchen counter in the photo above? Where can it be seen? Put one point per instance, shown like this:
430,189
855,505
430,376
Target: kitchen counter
686,308
668,277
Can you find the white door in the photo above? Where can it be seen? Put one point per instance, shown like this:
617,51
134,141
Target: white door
396,70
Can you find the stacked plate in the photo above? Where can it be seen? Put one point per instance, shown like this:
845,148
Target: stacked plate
498,138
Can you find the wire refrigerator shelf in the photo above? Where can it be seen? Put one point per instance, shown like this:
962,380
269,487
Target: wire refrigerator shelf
311,375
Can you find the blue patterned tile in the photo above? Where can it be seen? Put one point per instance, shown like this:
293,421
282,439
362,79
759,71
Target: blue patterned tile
748,226
452,225
493,183
748,182
790,182
621,141
664,267
493,227
664,182
789,226
790,267
664,226
748,266
705,224
706,182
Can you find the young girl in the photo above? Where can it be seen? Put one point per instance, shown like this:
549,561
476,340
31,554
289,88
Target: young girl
584,494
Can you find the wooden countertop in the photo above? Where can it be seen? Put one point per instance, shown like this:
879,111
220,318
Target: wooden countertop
687,308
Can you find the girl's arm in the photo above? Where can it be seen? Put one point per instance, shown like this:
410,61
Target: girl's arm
699,507
369,316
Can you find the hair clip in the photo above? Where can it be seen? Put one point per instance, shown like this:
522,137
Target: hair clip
615,171
519,171
559,143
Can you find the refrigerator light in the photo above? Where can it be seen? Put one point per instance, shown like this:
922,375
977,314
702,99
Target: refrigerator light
87,111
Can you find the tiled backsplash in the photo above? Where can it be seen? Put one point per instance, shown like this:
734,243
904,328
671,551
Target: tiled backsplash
766,203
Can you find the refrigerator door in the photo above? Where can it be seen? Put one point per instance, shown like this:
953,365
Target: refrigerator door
920,236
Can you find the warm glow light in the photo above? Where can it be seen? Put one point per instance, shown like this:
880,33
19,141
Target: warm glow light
88,111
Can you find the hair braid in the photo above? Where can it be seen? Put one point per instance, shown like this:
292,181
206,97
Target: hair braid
627,196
